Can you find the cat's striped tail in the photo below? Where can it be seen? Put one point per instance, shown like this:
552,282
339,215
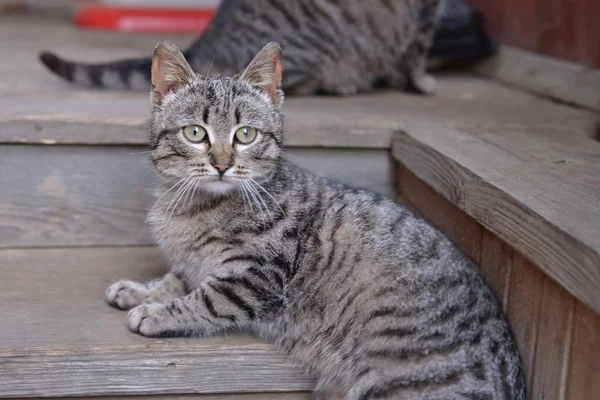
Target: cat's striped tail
123,74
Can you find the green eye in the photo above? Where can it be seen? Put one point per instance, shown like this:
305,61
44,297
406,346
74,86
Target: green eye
245,134
194,133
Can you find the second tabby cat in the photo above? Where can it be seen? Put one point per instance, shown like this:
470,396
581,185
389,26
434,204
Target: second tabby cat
331,46
376,302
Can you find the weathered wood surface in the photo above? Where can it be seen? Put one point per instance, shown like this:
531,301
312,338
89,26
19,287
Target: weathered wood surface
35,107
464,231
561,80
524,302
58,337
496,265
566,30
558,336
552,353
100,195
584,367
549,215
224,396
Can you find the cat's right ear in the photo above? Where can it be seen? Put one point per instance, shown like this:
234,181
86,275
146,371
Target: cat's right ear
264,72
170,71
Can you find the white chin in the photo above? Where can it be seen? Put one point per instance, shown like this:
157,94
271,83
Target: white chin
219,187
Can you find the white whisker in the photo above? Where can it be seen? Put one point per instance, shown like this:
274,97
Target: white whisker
193,193
268,194
209,66
182,189
171,188
190,194
262,200
285,153
243,193
182,196
252,191
251,198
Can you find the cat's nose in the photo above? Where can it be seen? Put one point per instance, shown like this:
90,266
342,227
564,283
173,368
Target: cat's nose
221,168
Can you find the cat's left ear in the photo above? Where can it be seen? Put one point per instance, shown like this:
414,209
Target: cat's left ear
264,72
170,71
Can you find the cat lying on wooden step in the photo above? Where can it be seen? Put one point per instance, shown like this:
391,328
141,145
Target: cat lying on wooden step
331,46
375,301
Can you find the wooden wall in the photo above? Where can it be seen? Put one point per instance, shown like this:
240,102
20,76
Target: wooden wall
566,29
558,336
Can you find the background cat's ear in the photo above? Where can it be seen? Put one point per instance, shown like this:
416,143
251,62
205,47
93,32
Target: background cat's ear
264,71
170,70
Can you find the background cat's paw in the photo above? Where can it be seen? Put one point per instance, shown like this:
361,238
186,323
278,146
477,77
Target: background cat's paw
425,84
125,294
151,320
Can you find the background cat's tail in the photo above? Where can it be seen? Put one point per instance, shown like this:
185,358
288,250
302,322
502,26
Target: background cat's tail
124,74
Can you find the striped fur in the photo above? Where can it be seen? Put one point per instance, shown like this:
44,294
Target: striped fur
375,301
331,46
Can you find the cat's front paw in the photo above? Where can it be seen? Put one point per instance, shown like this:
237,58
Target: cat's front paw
425,84
152,320
125,294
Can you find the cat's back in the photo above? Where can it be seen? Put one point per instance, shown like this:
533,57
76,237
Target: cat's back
394,304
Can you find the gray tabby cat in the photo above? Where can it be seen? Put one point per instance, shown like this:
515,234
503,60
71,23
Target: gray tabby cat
375,301
331,46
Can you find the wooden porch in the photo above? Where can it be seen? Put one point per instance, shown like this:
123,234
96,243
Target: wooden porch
513,178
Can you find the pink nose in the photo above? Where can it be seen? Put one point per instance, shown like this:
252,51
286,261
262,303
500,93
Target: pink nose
222,168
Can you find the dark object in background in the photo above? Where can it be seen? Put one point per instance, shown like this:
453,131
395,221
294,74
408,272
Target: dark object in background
461,35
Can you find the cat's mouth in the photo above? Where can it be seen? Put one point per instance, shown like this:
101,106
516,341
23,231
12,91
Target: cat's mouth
220,185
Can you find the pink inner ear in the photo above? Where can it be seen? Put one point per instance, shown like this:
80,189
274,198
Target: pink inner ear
276,80
158,80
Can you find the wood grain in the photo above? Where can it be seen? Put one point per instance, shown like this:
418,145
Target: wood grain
458,226
584,368
58,337
224,396
557,79
558,28
554,337
100,195
496,265
557,232
523,308
74,196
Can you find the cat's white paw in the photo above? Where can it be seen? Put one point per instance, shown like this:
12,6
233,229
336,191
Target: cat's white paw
125,294
151,320
425,84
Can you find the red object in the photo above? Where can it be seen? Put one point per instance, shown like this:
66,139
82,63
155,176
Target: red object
129,19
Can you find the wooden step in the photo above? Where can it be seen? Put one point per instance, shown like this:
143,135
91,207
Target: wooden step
74,192
58,337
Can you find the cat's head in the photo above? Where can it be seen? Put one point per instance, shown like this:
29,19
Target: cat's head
216,132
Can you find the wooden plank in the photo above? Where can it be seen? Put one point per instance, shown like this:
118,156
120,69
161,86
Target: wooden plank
496,264
557,23
551,221
58,337
77,196
224,396
583,380
458,226
590,29
35,105
80,195
557,79
523,309
347,124
519,28
553,345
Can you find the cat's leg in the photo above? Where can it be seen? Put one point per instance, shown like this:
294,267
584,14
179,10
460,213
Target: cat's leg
415,59
125,294
218,304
